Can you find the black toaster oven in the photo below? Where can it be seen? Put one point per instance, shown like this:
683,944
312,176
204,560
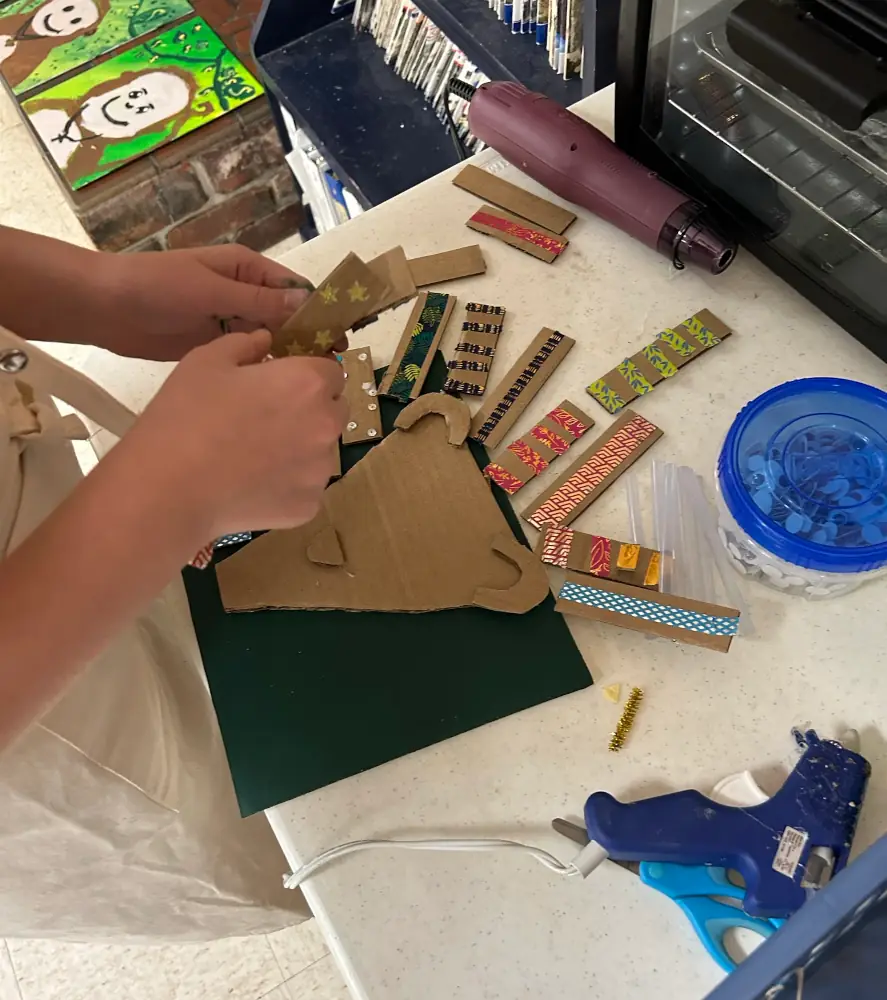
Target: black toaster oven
775,113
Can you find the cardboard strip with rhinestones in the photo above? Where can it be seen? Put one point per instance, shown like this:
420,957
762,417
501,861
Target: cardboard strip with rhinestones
597,468
469,368
526,457
409,367
598,555
343,298
518,387
642,372
518,233
695,622
361,395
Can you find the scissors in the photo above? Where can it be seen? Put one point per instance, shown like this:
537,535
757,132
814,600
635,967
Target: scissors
693,888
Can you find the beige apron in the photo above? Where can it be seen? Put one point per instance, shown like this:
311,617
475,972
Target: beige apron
117,815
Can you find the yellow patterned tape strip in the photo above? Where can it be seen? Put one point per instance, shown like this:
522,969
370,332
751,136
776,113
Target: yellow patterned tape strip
628,556
611,401
700,332
652,576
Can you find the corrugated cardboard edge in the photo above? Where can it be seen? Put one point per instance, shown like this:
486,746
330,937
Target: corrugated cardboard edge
434,269
625,417
719,643
504,194
494,396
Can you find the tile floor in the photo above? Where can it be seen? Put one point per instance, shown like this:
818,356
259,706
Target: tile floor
292,964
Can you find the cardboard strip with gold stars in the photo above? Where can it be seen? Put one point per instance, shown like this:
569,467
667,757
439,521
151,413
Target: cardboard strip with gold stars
342,299
409,367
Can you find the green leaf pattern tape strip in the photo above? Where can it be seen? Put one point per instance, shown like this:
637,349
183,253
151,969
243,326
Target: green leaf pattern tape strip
419,345
677,343
634,376
611,401
699,332
659,361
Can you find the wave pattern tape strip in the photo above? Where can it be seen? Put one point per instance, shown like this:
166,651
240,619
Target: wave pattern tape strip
516,390
641,373
695,622
526,457
599,467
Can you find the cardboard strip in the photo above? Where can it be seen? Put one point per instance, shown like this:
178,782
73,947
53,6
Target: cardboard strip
536,241
516,390
695,622
536,450
447,266
392,269
598,555
343,298
364,416
637,375
600,466
409,367
489,187
470,365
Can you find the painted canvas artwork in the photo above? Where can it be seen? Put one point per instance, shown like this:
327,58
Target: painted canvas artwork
139,100
44,39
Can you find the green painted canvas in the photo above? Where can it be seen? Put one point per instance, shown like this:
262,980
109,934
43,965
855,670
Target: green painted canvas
41,40
139,100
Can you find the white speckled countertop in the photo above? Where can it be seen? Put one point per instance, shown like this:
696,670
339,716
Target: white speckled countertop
438,926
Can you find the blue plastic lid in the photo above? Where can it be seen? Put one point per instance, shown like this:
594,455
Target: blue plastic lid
803,471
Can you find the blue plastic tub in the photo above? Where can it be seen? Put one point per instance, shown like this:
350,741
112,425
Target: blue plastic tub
802,477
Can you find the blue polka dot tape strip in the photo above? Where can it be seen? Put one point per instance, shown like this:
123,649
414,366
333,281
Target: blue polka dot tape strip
639,374
694,622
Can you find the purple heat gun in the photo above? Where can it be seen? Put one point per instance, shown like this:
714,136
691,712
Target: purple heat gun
778,847
578,162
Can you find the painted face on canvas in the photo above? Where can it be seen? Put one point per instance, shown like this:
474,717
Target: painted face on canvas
61,18
127,110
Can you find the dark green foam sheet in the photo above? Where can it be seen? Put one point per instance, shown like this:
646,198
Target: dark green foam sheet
306,698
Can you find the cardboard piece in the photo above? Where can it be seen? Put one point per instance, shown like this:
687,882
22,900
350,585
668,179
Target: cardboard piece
342,298
525,458
695,622
392,269
516,232
364,417
521,383
409,367
417,528
470,365
639,374
611,454
489,187
599,556
447,266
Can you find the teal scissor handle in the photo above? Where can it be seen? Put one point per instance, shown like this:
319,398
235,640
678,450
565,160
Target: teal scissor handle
691,887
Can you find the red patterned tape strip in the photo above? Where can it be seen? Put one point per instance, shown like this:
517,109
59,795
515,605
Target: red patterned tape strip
554,244
569,423
528,456
554,441
556,546
502,478
599,561
593,472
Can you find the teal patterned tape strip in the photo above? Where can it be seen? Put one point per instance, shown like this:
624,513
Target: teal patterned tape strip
649,611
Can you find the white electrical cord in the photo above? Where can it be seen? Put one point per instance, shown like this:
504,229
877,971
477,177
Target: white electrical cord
585,862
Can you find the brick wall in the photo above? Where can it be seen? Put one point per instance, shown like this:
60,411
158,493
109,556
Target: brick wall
225,182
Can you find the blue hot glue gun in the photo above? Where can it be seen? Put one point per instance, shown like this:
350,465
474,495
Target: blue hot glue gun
782,848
